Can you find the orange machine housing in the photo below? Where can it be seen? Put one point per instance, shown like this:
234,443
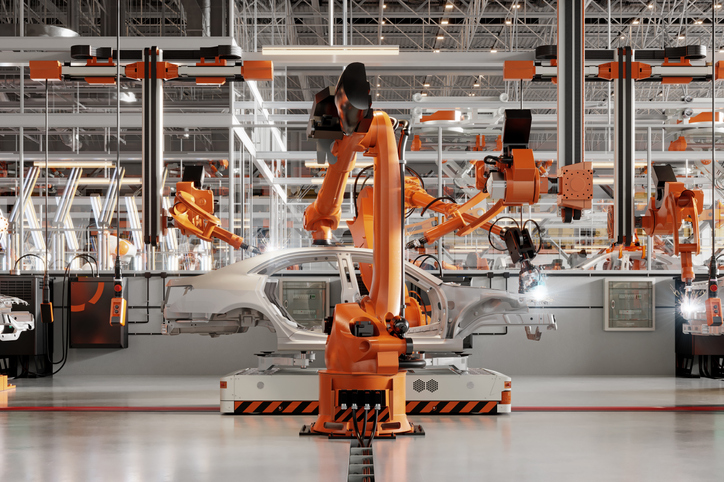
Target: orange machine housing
369,363
193,213
679,205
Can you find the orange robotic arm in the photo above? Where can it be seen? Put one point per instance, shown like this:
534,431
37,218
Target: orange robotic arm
193,213
366,347
668,212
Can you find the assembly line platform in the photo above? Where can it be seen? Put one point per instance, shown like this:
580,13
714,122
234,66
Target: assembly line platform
169,428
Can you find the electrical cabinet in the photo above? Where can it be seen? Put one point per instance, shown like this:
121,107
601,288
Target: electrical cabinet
89,314
629,304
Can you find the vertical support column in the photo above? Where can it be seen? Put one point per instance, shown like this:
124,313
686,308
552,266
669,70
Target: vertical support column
73,19
331,22
439,189
232,176
109,17
570,59
344,22
649,239
20,247
624,142
152,160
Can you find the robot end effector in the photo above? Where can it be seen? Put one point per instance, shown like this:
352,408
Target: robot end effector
193,212
340,114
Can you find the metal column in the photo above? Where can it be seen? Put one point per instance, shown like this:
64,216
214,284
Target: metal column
570,60
624,142
152,163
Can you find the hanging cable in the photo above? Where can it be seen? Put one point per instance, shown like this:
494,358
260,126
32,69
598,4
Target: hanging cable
46,307
422,213
423,257
490,232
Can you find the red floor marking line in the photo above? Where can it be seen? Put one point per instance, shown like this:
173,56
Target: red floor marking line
109,409
674,408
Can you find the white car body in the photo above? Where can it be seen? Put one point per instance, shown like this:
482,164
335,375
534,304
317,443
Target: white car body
239,296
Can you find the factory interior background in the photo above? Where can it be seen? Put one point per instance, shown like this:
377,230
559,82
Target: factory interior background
361,240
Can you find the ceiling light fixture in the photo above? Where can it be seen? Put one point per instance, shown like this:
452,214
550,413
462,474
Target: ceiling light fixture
476,84
330,50
681,36
424,94
441,37
99,181
426,84
635,21
650,6
72,164
449,6
493,51
437,51
444,22
508,21
698,22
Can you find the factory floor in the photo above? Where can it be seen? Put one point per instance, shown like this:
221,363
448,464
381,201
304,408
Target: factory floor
577,429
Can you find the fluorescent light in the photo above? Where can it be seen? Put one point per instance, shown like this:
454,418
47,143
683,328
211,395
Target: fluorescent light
682,37
508,21
316,165
441,37
699,22
426,84
99,181
331,50
424,94
650,6
449,6
444,22
476,84
437,51
609,164
635,21
72,164
493,51
128,97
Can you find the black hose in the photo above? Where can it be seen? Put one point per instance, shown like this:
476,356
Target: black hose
364,427
354,424
434,201
412,364
415,173
494,160
490,232
26,256
540,237
354,188
374,427
425,256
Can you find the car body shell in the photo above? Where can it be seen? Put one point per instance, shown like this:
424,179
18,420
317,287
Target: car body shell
243,295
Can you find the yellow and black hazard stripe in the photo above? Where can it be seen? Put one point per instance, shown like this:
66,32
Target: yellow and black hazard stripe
346,415
452,408
276,408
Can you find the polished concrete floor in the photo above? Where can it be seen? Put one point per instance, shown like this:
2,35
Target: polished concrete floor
199,446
